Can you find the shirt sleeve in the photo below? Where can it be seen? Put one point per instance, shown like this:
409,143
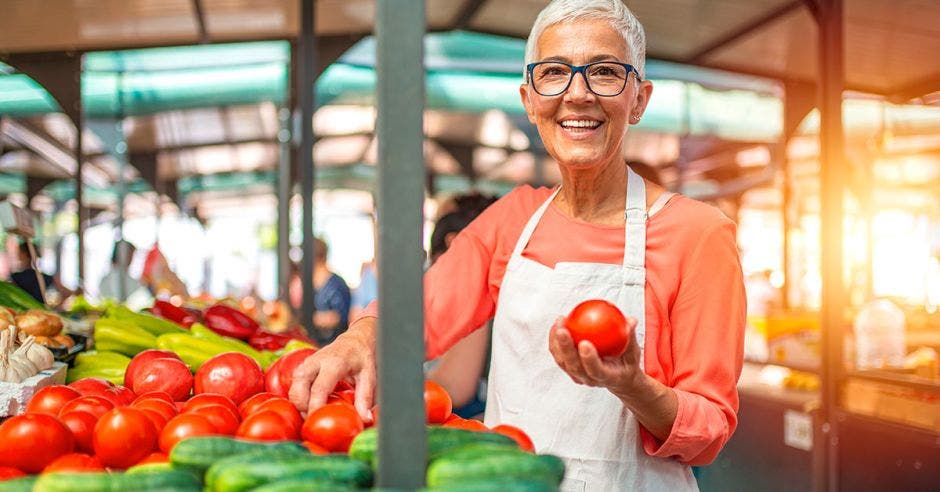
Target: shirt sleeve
707,321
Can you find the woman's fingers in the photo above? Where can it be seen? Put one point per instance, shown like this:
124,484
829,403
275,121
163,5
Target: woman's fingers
365,392
593,365
302,379
331,372
566,356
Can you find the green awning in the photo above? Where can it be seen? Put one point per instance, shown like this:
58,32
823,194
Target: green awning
466,72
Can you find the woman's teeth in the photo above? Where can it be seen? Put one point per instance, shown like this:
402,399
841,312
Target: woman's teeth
580,124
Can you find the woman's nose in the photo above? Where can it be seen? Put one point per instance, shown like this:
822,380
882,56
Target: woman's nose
578,90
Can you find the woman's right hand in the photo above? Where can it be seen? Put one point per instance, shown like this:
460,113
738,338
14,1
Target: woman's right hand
351,355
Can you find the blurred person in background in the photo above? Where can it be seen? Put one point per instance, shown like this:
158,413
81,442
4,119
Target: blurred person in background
160,278
110,285
367,291
332,299
464,368
25,278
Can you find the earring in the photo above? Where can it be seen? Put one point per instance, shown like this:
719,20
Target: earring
635,119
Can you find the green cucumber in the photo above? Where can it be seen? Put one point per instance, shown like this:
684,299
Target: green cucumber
244,472
304,486
22,484
113,482
197,454
497,485
440,440
14,297
484,462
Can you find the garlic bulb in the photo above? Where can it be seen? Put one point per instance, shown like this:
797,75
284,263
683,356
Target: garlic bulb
38,355
15,363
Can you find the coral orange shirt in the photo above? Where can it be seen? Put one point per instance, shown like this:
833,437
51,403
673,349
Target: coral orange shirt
695,301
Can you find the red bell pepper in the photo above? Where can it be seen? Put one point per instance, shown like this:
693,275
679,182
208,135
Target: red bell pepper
265,340
230,322
173,313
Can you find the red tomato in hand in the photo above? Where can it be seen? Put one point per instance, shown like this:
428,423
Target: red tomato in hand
124,436
182,426
74,462
600,323
278,378
93,404
333,426
169,375
51,399
209,399
266,425
250,405
517,434
221,417
437,403
30,442
232,374
140,360
82,425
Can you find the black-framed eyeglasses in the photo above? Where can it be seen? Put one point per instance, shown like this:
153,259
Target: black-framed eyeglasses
606,79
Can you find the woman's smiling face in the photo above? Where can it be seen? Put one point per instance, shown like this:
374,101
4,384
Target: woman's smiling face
579,128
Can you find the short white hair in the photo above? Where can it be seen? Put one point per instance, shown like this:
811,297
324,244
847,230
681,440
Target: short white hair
613,11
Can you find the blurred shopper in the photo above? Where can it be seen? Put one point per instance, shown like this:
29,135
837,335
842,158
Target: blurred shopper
160,278
367,291
110,285
27,280
332,299
464,368
634,421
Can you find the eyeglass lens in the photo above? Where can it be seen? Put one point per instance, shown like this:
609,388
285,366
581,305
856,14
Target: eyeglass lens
604,79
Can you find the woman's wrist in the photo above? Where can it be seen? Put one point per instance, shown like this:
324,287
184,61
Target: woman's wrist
654,404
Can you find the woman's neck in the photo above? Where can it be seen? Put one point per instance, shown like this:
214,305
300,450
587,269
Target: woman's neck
594,195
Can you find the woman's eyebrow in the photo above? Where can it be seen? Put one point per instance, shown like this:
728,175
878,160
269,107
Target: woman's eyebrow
595,58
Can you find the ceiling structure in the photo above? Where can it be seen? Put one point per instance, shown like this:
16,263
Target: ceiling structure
890,52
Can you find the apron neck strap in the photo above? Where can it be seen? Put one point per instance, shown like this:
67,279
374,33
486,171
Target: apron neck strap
530,226
634,251
634,233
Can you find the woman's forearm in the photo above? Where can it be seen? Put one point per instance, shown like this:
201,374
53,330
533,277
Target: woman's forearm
653,403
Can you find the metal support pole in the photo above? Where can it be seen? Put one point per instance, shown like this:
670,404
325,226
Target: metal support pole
399,28
79,198
283,204
306,76
833,178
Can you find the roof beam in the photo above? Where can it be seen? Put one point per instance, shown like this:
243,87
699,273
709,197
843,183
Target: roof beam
200,13
471,7
744,30
918,88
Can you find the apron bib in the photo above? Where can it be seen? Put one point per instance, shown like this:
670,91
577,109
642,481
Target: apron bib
589,428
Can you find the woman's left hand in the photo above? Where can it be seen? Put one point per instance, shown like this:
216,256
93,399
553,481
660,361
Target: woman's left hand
583,365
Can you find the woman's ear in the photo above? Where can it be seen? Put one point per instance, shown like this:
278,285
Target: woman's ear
526,103
643,93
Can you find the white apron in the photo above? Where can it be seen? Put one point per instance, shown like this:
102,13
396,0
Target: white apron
588,427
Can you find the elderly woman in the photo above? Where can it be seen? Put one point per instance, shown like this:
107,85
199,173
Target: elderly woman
634,422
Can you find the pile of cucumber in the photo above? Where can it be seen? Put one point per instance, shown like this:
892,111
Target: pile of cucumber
459,460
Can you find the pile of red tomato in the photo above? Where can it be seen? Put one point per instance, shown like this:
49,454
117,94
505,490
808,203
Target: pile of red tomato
92,424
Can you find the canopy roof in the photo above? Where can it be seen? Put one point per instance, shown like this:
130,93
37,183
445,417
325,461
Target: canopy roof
891,45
